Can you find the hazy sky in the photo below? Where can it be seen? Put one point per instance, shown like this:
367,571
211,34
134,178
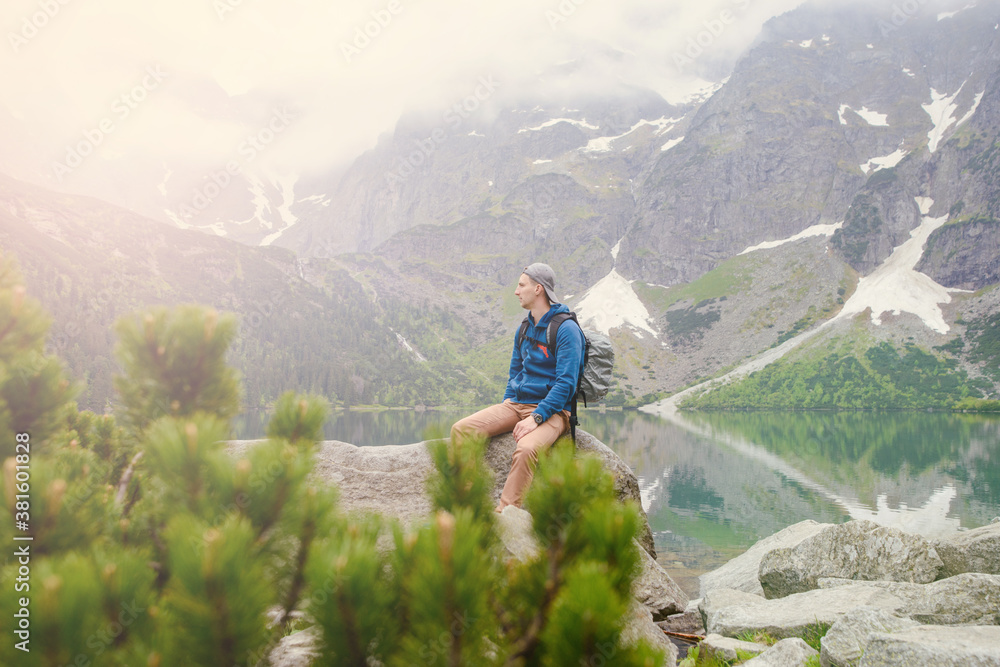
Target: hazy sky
189,79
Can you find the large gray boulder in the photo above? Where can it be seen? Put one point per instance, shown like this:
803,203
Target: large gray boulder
499,455
688,622
732,613
965,599
721,598
741,573
976,550
855,611
860,550
791,652
846,640
392,479
727,647
657,590
639,626
966,646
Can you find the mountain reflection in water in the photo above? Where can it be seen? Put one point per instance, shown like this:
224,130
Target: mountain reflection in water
714,483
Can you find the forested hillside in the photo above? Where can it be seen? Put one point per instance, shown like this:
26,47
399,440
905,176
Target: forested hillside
90,263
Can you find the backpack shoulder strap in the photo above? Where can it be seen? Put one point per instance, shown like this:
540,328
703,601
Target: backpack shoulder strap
553,328
550,334
523,329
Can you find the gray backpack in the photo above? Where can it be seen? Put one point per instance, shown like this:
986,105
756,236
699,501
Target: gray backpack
598,361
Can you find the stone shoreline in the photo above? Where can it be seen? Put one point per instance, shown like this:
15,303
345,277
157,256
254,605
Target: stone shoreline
880,597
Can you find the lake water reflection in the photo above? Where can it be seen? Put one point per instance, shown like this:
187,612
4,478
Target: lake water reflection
714,483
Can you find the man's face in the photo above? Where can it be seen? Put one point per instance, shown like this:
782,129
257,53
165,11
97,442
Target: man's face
527,291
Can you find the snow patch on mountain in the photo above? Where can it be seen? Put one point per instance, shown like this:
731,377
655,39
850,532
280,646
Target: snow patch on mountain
261,202
265,208
895,287
603,144
612,303
815,230
924,204
947,15
271,238
162,187
696,91
972,110
287,185
670,144
884,162
177,220
549,123
873,118
322,200
941,110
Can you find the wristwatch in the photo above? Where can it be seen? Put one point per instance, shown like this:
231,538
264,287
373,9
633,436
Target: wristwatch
537,417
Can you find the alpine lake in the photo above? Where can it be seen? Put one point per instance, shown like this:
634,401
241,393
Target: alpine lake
713,483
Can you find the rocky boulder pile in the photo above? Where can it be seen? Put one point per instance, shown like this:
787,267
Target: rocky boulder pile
872,596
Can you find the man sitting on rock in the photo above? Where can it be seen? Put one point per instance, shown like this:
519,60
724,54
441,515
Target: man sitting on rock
540,386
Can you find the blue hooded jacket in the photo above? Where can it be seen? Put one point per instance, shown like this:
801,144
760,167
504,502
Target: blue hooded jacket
538,374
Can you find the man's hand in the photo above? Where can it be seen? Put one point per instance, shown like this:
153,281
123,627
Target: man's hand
524,427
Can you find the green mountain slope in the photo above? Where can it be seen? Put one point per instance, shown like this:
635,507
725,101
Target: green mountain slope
90,263
850,368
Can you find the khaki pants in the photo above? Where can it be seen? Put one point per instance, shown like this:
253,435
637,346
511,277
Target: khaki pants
501,418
